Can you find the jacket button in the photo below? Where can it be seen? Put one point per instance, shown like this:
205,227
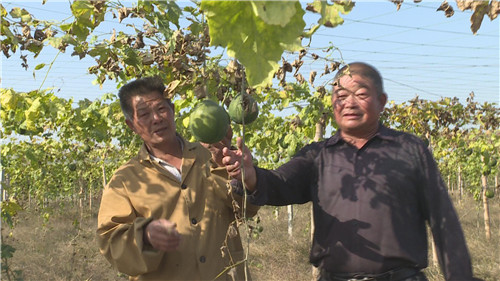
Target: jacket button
183,186
203,259
194,221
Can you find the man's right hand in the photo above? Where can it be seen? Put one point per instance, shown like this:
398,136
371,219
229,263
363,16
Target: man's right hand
232,161
162,235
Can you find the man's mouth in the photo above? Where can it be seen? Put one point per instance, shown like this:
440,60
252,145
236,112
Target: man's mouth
350,114
159,130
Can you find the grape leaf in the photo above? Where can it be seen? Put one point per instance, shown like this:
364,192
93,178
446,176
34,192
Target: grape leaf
257,44
21,13
267,11
330,16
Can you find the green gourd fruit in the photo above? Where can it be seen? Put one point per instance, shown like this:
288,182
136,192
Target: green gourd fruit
243,108
209,122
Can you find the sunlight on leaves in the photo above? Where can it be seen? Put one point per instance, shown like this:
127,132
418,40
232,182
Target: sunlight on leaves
247,37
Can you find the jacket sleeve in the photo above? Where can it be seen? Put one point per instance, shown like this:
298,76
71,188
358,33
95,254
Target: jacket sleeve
444,223
120,232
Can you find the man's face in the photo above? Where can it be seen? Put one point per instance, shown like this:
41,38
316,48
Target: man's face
153,118
356,104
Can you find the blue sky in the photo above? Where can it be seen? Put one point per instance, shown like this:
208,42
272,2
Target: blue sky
417,50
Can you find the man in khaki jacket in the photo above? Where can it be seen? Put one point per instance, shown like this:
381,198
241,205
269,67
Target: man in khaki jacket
167,214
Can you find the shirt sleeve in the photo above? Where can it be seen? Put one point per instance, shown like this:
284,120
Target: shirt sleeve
291,183
446,230
120,234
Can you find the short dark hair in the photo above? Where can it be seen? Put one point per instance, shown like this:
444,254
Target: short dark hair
364,70
138,87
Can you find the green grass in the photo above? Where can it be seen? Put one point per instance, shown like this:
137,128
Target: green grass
64,248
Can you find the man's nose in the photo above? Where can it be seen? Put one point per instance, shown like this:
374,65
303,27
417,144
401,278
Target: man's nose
350,100
157,116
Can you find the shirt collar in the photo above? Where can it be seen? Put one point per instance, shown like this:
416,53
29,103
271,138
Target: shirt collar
383,133
144,154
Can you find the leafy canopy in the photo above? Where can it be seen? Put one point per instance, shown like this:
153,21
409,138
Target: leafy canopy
255,34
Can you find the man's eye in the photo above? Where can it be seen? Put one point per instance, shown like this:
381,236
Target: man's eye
342,97
362,96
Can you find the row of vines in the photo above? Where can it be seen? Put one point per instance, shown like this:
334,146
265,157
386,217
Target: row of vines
53,149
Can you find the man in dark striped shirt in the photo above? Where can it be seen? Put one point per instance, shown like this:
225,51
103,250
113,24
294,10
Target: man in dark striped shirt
373,190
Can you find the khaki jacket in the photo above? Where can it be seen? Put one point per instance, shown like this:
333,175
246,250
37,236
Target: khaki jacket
201,205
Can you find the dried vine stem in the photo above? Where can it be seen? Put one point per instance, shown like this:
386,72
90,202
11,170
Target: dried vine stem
245,197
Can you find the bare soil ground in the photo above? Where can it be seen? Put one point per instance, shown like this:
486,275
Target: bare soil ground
64,247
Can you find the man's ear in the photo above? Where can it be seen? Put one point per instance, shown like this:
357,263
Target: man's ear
383,101
172,105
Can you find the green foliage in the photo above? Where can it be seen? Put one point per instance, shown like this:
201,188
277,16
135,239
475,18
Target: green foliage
330,12
459,135
254,37
8,272
46,137
9,210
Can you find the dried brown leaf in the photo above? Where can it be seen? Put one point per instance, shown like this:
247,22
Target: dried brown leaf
480,8
494,10
113,36
334,66
448,10
287,67
122,13
299,78
398,3
232,273
312,76
223,251
170,90
297,64
232,232
302,53
477,17
39,35
27,32
200,91
139,43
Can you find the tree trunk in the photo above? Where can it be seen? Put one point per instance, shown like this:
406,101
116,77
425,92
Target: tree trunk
104,181
450,187
3,185
496,184
90,199
486,209
80,198
487,226
459,182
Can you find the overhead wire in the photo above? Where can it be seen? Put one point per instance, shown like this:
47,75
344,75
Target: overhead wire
436,64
